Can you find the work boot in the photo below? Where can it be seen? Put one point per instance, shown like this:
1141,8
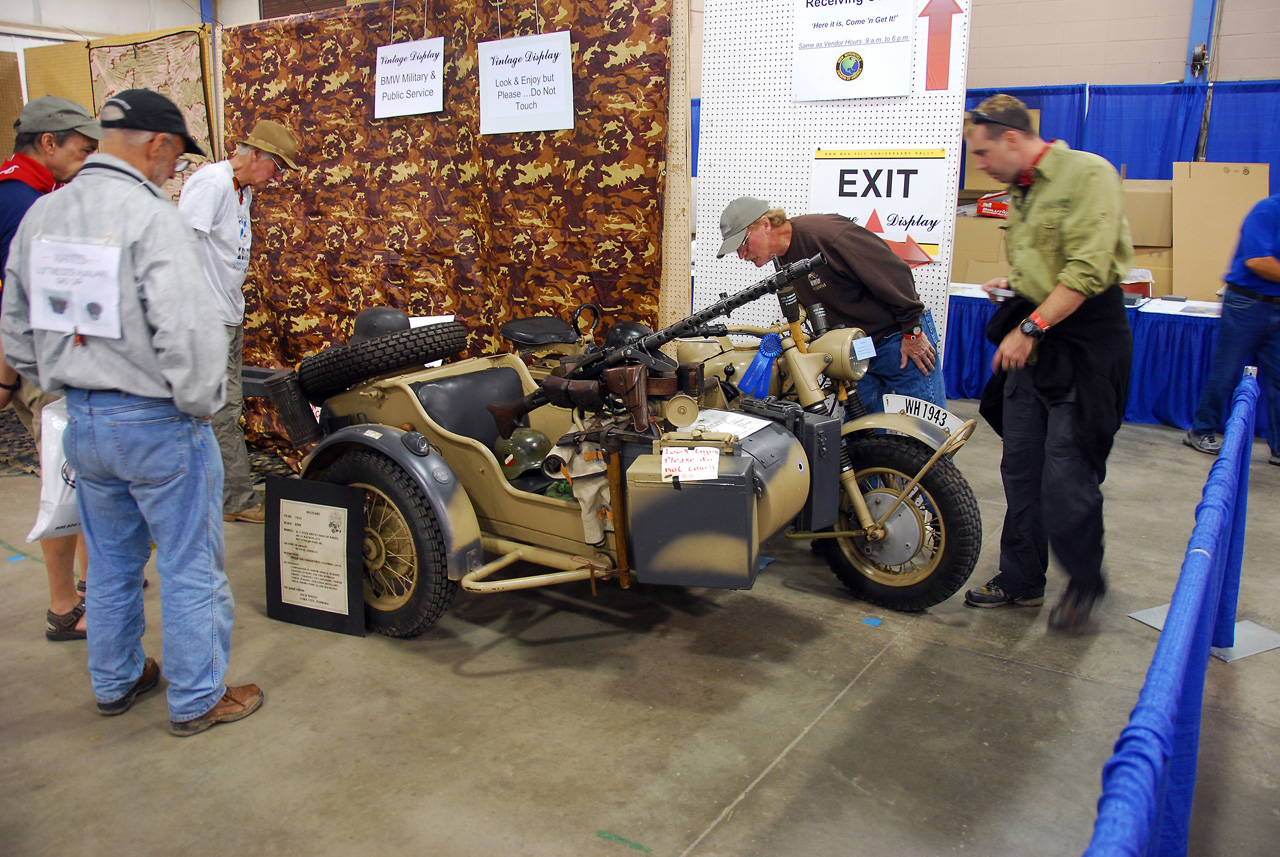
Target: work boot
236,704
253,515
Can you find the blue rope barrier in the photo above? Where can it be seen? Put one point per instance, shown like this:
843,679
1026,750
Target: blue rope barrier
1148,783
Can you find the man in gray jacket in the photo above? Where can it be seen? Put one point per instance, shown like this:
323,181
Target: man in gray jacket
100,303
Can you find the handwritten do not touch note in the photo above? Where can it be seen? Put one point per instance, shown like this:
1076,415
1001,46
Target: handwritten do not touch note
690,463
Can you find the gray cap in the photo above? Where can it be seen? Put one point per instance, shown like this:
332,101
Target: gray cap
734,220
51,113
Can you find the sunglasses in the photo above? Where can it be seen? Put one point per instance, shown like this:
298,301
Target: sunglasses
977,117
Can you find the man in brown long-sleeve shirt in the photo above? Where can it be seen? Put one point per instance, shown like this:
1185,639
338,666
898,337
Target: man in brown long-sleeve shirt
862,285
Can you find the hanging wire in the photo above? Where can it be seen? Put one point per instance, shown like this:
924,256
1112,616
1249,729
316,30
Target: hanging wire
498,4
393,21
538,16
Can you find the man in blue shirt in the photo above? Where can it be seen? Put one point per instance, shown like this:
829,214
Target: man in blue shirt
1249,331
54,136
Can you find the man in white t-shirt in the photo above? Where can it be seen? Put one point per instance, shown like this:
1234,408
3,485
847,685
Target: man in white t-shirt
217,200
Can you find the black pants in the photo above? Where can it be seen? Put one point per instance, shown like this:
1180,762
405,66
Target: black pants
1052,494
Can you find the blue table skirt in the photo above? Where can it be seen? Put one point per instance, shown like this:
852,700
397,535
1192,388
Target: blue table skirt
1171,359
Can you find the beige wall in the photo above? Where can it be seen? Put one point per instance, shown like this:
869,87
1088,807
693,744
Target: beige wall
1051,42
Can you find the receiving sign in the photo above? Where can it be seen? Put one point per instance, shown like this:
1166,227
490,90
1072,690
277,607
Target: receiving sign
852,49
526,84
900,194
409,79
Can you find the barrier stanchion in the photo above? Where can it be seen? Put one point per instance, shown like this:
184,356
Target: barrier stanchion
1148,783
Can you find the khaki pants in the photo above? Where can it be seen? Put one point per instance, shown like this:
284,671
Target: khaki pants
27,403
237,484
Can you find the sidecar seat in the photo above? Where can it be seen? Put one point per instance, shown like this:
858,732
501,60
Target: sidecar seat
457,404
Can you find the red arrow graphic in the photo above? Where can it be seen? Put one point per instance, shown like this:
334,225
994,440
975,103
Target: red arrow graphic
937,68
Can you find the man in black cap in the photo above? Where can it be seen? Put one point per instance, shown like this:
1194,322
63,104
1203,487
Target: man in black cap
864,284
105,302
53,138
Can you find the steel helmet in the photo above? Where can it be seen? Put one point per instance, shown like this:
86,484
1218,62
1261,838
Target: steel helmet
521,452
624,333
378,321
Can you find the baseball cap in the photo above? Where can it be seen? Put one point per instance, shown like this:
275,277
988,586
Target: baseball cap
51,113
144,110
275,139
734,220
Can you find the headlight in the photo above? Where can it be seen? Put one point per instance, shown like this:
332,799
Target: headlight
838,345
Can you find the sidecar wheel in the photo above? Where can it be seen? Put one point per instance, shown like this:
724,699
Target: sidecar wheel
933,540
406,586
335,369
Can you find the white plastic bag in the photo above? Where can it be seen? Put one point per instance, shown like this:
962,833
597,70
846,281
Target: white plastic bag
58,515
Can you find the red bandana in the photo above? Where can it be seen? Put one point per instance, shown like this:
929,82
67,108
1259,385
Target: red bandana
29,171
1028,176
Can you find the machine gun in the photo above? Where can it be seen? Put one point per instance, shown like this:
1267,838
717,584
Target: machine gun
581,384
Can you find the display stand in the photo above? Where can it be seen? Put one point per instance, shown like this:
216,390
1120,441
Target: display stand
315,567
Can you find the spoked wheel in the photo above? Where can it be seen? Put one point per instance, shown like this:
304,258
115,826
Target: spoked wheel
406,585
932,539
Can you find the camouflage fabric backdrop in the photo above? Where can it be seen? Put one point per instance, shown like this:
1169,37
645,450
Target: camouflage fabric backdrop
169,64
425,214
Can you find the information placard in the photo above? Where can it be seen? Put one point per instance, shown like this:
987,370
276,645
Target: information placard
899,194
852,49
315,570
409,78
526,84
75,288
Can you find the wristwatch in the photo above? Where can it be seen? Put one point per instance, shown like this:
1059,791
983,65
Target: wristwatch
915,333
1030,328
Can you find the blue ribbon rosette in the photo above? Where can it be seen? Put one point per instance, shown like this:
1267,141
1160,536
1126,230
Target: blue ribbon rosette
755,381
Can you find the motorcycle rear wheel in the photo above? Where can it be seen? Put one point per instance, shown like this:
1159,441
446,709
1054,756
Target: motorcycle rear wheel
934,537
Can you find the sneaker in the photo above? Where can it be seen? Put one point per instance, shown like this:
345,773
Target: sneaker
1275,459
149,679
253,515
236,704
992,595
1071,613
1206,443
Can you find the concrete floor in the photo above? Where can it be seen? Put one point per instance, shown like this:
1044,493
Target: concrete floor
661,721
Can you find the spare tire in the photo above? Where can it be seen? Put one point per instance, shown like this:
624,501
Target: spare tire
335,369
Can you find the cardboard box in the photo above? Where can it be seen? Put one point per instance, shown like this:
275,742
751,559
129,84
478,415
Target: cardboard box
1159,261
1210,201
1148,203
994,205
976,179
978,240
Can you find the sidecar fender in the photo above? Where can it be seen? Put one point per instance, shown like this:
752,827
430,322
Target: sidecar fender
926,432
432,474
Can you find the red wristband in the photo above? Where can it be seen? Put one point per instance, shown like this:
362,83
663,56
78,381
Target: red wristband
1040,322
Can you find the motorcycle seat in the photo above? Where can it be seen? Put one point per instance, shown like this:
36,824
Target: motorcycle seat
538,331
457,403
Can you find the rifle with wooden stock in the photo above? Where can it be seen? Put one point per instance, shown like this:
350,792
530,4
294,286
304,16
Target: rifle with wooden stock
583,384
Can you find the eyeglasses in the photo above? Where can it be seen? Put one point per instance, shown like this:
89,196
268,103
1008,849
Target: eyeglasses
280,167
746,236
180,165
977,117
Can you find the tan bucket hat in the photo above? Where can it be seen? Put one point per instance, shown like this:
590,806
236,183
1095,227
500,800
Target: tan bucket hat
275,139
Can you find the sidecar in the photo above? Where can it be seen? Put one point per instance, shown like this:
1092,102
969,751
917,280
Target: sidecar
440,515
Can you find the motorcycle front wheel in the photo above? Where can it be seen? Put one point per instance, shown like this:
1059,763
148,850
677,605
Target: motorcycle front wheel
933,537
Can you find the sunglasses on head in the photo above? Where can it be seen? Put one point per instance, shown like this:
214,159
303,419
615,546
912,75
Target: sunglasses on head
977,117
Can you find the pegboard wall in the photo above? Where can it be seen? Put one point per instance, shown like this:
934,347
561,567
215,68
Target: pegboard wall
755,141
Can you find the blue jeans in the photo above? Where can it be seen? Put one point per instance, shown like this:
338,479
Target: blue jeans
886,374
147,472
1248,330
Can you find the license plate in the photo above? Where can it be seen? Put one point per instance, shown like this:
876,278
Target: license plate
927,411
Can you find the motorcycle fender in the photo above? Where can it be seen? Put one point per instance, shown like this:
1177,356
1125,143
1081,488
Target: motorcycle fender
926,432
433,476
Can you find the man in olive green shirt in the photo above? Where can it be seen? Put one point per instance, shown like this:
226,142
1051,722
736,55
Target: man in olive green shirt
1062,359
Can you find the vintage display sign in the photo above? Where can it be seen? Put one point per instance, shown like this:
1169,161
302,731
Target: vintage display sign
900,194
409,78
852,49
526,84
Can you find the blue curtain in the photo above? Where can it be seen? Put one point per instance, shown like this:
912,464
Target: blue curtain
1145,128
696,118
1244,125
1061,108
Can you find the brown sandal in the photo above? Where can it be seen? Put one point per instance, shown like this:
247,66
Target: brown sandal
62,626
